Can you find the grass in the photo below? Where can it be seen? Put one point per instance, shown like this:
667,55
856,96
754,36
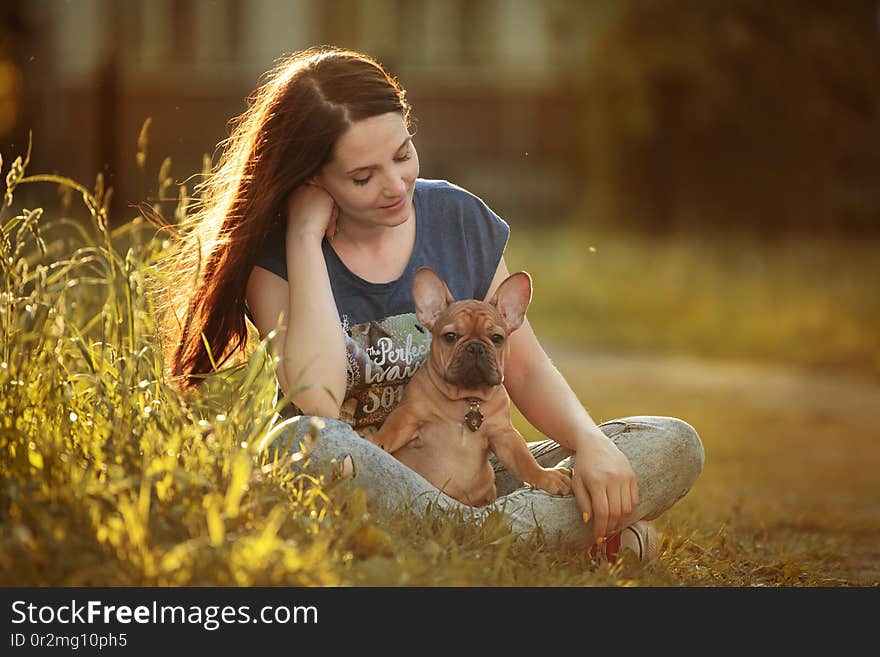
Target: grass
788,492
110,477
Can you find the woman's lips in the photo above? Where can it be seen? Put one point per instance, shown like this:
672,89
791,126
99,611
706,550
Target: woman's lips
394,206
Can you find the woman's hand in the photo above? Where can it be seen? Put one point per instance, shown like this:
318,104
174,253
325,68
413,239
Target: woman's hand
603,480
311,212
604,484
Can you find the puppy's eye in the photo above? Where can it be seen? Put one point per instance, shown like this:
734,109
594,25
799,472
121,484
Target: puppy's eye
450,337
498,339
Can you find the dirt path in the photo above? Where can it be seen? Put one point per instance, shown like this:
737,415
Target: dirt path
771,387
790,445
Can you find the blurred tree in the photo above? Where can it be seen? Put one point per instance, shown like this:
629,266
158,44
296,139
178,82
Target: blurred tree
722,114
13,31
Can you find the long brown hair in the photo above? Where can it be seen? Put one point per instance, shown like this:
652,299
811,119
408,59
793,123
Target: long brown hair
283,139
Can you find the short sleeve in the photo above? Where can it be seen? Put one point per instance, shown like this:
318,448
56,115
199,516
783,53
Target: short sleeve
486,234
272,255
463,240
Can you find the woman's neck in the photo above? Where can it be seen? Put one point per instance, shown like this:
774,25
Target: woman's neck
353,236
378,254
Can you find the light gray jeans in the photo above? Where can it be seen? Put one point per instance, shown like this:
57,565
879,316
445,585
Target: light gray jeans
665,453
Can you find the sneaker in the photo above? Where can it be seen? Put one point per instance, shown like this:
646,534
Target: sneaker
640,537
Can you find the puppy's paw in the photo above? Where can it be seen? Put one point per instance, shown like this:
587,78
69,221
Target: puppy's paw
556,481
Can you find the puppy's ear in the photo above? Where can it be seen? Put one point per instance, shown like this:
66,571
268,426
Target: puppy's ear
431,296
512,298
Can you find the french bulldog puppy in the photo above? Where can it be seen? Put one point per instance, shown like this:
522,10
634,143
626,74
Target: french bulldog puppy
455,409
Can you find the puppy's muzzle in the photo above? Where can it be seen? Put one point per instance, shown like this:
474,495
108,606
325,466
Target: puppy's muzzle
474,366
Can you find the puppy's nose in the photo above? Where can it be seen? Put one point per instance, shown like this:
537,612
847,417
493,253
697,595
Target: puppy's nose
475,349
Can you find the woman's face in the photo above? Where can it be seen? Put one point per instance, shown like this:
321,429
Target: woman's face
373,172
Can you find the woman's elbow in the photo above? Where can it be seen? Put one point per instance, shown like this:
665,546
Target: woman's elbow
317,391
328,410
320,401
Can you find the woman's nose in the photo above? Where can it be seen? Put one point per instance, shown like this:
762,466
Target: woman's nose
394,184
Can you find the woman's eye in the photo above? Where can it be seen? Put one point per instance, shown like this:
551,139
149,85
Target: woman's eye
498,340
404,158
361,181
450,337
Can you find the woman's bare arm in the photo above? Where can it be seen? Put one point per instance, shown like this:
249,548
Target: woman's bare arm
310,342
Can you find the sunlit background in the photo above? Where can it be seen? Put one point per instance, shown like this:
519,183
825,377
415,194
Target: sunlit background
694,186
657,115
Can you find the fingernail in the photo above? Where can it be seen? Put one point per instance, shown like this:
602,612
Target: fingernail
586,517
348,466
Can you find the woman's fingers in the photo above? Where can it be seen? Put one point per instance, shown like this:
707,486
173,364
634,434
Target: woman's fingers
599,498
614,508
626,505
310,211
582,497
632,493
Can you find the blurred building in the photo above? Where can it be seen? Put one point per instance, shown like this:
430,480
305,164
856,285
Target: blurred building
491,82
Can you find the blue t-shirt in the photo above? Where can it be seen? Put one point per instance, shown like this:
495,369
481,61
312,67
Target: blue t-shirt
460,238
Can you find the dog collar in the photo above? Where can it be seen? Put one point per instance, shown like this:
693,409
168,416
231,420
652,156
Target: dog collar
474,417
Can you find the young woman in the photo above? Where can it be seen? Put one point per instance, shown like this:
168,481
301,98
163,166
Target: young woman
316,221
